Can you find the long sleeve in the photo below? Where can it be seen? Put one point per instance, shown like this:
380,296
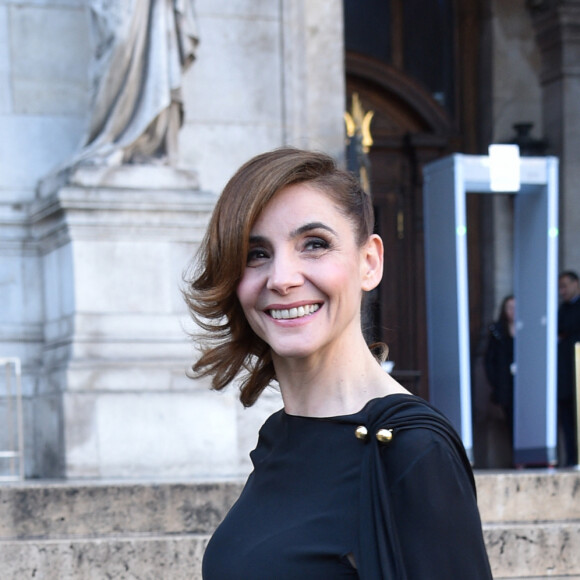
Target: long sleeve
569,320
438,523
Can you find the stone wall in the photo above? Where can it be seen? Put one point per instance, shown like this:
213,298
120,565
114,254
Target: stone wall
517,98
517,94
43,98
557,26
90,273
268,73
143,531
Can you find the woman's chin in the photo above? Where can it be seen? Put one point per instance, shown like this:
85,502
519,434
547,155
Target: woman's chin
293,351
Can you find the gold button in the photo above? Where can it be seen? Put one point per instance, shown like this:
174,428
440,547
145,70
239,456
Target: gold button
384,435
361,432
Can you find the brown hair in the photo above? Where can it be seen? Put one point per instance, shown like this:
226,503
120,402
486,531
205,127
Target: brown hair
230,345
503,320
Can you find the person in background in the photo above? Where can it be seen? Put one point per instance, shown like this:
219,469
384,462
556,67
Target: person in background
499,360
354,477
568,336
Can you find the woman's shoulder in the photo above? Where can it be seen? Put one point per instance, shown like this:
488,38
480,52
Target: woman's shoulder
402,409
409,429
410,420
272,425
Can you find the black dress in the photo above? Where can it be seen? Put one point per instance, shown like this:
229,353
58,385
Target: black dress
499,357
321,497
568,335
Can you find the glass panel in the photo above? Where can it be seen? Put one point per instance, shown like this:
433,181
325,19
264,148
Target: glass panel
429,41
367,27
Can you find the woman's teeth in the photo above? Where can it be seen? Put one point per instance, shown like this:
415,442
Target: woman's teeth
295,312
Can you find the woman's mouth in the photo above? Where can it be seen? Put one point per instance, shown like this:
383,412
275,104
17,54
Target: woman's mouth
290,313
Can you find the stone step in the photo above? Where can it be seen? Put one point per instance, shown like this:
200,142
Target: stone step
531,522
544,549
523,552
56,510
158,530
528,496
175,557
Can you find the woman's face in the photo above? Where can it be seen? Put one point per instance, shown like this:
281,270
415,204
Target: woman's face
302,286
510,309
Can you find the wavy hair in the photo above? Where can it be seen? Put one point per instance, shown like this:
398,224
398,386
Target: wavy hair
229,345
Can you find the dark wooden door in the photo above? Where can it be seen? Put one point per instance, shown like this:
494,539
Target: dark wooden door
408,131
431,98
399,305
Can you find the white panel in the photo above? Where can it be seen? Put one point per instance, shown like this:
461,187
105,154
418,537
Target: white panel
536,243
443,238
463,304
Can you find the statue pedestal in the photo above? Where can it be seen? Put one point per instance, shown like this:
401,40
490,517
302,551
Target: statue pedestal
120,177
114,399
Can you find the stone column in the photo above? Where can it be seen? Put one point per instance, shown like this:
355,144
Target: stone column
557,25
313,78
114,399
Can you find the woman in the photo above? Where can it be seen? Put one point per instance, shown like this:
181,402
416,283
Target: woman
354,477
499,360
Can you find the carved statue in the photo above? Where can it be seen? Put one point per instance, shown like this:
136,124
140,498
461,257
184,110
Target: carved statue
142,49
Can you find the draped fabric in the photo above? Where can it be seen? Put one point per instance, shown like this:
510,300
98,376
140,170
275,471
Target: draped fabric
142,49
421,480
323,502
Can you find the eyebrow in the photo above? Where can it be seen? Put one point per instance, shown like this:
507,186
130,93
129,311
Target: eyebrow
256,240
311,226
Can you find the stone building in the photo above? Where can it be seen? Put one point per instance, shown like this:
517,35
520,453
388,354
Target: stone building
90,266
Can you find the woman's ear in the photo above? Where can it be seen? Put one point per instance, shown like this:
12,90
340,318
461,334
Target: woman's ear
371,263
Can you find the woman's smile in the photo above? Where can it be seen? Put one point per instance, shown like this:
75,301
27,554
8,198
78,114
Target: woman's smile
294,312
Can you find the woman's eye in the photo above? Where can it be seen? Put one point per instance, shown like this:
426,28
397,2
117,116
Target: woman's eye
256,255
316,244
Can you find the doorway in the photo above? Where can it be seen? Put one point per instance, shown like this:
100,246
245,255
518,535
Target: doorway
409,129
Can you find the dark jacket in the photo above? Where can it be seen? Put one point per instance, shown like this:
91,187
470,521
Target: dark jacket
568,335
499,356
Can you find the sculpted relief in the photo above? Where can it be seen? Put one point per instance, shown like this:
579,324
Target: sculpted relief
142,48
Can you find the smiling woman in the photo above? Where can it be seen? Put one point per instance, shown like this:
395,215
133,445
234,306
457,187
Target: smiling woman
354,477
302,289
232,345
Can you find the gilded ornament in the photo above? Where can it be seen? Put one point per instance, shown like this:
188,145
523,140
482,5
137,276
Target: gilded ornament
361,432
384,435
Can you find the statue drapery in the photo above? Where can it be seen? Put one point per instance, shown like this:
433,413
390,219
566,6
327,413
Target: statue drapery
142,49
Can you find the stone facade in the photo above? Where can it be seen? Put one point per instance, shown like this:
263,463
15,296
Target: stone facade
517,98
259,83
557,25
90,272
535,80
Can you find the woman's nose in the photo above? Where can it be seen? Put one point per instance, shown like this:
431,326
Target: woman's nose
284,274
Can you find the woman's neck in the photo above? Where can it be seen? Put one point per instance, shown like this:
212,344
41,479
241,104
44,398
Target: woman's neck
326,386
